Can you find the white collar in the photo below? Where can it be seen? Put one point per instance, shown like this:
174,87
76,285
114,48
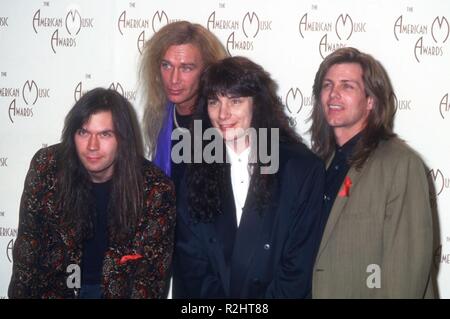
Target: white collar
234,157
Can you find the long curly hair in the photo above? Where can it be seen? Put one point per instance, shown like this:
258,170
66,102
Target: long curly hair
380,120
176,33
74,184
206,183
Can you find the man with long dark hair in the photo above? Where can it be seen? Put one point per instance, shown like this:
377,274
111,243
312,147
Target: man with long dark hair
96,219
247,227
377,242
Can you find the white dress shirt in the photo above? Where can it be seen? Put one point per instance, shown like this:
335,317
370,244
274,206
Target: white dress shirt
240,178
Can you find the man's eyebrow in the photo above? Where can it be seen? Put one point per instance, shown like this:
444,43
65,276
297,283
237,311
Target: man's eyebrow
234,96
102,131
356,82
344,80
349,80
182,64
189,64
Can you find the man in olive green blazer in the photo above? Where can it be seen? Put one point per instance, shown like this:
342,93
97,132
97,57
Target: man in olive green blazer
378,238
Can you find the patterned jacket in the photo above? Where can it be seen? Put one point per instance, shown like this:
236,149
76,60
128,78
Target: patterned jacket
46,254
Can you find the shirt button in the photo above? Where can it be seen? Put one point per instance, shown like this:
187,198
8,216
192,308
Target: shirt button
336,167
266,246
325,197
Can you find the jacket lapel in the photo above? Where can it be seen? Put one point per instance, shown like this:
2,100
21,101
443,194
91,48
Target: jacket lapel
219,262
248,236
221,234
338,207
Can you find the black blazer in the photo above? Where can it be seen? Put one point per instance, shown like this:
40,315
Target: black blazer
271,254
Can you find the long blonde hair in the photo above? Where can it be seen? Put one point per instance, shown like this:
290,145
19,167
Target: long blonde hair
177,33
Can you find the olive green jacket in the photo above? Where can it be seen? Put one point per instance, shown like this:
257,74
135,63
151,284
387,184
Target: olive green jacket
378,239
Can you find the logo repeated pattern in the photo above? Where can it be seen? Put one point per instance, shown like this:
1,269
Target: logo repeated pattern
334,34
132,22
23,100
430,39
91,45
242,32
444,106
64,29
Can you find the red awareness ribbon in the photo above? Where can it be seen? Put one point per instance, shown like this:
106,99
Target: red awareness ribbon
345,190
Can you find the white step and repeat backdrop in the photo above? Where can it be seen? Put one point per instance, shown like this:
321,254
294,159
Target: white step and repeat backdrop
53,51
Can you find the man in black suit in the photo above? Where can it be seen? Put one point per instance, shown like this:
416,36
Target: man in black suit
247,227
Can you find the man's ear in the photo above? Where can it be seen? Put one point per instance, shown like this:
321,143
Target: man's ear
370,103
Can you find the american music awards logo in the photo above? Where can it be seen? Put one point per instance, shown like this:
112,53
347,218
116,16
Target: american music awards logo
297,105
440,256
64,28
9,248
130,95
79,91
4,22
133,23
23,99
428,39
10,233
244,30
439,180
334,34
444,106
402,104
